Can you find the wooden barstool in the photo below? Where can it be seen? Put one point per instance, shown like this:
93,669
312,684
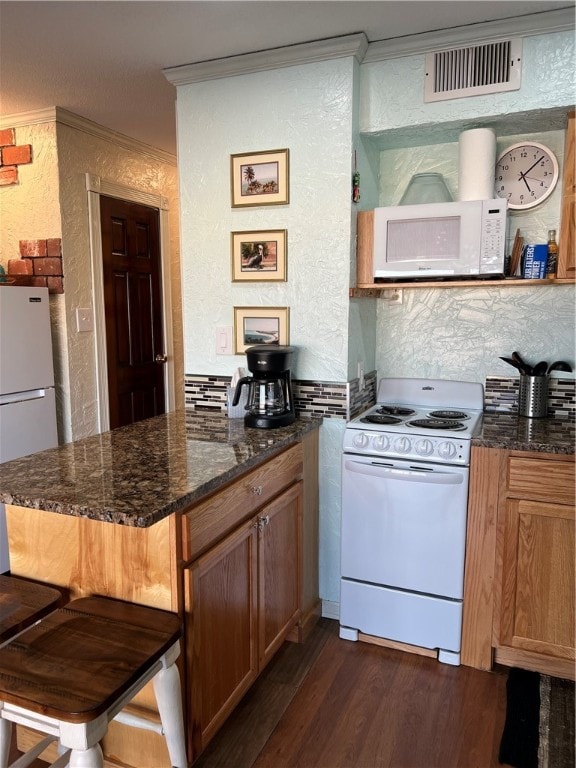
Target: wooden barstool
23,603
71,673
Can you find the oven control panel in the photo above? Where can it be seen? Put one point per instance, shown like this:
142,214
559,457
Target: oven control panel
439,449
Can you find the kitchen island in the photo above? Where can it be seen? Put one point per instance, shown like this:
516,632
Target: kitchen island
189,512
520,551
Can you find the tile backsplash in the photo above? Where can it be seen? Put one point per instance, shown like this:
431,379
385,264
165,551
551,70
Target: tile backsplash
323,399
501,394
335,400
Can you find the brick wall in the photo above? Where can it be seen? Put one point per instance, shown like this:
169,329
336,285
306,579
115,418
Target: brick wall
11,156
40,264
40,261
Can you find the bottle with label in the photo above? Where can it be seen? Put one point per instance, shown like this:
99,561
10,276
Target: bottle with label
552,255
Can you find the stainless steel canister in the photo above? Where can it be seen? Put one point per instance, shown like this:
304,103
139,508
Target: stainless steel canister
533,396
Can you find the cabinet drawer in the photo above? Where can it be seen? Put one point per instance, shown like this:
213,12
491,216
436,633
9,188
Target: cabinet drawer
209,521
541,479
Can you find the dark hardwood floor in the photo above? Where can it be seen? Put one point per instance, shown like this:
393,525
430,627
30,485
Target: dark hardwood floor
331,703
338,704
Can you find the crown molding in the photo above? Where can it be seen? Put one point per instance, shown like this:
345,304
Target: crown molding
543,23
64,117
276,58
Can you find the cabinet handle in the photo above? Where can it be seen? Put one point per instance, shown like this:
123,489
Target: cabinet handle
263,522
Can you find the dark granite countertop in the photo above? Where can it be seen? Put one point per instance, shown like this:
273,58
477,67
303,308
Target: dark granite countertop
139,474
517,433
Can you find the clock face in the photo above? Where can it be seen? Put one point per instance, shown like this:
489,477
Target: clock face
526,174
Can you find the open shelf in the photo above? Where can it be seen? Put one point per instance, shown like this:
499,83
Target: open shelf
375,289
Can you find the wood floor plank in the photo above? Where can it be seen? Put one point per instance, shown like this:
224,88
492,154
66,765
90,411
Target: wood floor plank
364,706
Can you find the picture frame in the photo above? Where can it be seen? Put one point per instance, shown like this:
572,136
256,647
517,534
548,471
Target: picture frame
260,325
260,178
259,256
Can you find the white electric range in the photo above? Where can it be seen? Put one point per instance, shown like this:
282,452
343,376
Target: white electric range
404,504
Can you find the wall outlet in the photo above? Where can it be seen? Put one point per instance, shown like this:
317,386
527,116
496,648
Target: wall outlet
224,340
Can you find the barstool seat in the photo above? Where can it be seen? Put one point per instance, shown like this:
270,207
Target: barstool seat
71,673
22,603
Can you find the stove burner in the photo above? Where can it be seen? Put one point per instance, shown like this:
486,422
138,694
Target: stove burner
455,426
452,415
395,410
380,418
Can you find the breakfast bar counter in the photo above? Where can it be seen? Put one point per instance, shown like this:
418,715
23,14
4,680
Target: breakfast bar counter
139,474
189,512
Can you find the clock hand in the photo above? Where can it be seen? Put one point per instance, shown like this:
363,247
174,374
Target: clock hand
523,178
532,166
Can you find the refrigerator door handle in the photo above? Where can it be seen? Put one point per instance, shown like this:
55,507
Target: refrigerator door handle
19,397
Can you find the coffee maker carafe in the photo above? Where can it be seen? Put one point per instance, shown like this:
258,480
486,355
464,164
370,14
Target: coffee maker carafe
269,403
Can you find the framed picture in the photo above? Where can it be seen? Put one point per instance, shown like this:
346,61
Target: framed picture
259,255
259,178
259,325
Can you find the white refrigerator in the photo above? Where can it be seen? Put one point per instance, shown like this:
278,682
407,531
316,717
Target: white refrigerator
27,400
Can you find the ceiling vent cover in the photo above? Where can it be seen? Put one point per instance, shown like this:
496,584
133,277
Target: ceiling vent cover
473,71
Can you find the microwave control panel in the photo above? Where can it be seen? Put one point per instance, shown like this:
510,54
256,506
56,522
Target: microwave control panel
493,245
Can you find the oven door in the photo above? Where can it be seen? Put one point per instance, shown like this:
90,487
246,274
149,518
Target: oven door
404,524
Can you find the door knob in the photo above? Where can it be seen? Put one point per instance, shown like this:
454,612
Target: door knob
160,358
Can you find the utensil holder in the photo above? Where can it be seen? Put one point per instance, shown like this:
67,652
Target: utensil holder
533,396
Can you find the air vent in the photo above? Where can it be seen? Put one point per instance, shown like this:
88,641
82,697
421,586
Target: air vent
473,71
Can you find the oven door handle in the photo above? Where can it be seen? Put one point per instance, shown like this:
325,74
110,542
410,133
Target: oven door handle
413,475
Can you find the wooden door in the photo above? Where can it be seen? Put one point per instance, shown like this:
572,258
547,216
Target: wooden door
279,555
221,615
133,306
537,608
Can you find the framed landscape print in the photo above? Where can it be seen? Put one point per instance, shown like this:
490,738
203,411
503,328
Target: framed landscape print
259,325
259,178
259,255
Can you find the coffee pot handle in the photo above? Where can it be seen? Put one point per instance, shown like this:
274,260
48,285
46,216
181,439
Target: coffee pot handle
239,383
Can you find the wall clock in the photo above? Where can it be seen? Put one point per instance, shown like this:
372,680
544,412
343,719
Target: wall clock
526,174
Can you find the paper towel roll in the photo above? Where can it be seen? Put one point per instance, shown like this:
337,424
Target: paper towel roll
476,164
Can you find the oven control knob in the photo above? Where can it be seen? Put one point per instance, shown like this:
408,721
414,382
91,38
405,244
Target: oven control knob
424,447
447,450
402,445
361,440
381,442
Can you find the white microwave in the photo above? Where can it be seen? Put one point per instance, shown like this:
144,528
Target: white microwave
440,240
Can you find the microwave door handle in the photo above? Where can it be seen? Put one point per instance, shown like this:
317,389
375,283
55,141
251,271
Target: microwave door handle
412,475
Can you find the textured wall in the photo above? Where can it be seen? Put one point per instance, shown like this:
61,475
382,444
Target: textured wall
80,153
309,110
393,90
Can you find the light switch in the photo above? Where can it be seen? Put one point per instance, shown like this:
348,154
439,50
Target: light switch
224,340
84,320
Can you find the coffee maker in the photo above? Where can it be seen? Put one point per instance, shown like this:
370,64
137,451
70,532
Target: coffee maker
269,403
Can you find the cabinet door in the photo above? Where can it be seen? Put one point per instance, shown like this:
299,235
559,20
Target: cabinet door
567,241
537,609
221,616
279,555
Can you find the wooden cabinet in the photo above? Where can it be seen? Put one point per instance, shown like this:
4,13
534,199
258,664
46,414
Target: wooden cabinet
536,572
241,600
567,239
519,586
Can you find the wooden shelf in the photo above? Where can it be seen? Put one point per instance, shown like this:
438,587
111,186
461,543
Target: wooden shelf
375,289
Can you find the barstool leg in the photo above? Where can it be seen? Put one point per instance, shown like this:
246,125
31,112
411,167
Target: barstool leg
169,699
87,758
5,737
